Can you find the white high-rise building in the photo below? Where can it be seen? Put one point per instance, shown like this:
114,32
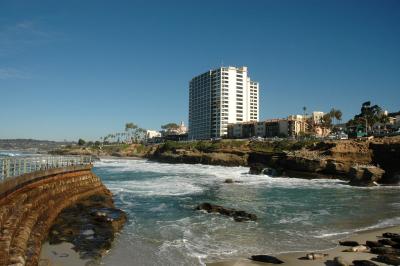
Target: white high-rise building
220,97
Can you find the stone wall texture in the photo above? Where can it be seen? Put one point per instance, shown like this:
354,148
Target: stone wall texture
28,209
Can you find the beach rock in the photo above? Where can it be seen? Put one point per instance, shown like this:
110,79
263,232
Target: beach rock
365,175
349,243
373,244
390,235
316,256
339,261
266,258
388,259
385,250
387,242
238,216
231,181
256,169
364,263
360,248
90,225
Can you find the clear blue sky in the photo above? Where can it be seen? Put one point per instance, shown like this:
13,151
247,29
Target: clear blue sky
71,69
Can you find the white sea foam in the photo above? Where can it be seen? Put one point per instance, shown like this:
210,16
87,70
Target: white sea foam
166,186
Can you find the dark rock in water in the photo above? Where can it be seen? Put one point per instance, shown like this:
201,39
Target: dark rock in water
387,242
364,263
260,169
390,235
90,225
267,259
373,244
238,216
385,250
389,259
256,169
349,243
339,261
231,181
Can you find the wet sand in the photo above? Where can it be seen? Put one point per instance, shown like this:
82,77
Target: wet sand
60,255
292,258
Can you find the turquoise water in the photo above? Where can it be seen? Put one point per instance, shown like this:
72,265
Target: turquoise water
294,214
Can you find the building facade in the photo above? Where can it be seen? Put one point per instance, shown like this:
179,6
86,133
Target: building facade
220,97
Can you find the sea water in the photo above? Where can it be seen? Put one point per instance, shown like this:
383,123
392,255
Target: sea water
293,214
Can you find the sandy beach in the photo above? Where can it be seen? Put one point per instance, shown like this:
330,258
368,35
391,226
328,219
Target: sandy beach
292,259
60,255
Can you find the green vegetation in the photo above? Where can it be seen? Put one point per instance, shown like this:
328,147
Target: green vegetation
170,126
203,146
282,145
369,115
81,142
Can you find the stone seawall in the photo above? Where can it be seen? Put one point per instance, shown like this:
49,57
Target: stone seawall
29,204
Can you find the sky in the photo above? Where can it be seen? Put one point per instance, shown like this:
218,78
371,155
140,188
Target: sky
82,69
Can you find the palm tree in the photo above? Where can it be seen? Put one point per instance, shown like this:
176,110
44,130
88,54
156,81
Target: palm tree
338,115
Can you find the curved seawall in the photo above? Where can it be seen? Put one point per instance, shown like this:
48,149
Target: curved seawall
30,203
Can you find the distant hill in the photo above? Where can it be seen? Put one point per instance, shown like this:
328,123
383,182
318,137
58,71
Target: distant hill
31,144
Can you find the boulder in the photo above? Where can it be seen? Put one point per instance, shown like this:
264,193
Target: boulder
231,181
388,259
256,169
238,216
349,243
266,258
365,175
339,261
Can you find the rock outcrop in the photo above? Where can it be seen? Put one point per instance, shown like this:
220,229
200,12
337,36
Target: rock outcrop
365,175
238,216
90,225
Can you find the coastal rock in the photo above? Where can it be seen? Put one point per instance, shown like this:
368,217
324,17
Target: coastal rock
231,181
90,225
266,258
365,175
349,243
364,263
316,256
256,169
261,169
373,244
385,250
339,261
388,259
238,216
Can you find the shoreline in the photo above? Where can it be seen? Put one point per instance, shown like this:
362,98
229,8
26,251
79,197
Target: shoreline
292,258
63,254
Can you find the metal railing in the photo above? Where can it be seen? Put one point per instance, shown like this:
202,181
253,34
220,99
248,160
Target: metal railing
16,166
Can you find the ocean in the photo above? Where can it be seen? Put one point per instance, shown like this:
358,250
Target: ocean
293,214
